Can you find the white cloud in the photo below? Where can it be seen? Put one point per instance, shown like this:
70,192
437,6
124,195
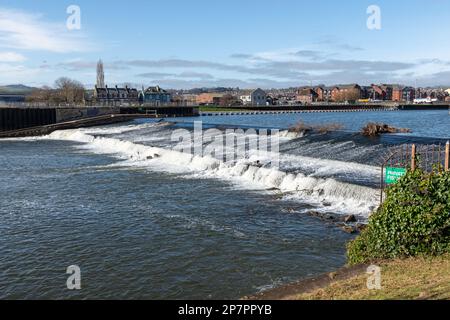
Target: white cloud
22,30
17,73
11,57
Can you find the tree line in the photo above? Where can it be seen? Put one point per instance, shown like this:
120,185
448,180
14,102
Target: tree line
65,91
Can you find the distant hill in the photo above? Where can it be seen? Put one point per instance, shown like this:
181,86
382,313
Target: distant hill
16,89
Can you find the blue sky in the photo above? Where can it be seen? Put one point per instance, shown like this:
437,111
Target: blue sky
246,43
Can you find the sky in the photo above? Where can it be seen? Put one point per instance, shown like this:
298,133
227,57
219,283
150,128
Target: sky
235,43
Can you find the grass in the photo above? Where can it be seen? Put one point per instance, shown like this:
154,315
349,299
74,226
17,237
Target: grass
423,278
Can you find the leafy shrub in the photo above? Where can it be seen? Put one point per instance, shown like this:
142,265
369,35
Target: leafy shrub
414,220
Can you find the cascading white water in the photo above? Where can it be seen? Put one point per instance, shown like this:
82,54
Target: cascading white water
324,193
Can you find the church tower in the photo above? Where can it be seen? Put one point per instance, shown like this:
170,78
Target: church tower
100,75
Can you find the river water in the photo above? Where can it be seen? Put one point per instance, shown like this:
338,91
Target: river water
145,222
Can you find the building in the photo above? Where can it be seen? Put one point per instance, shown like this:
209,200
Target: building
388,89
346,93
323,93
400,94
378,93
116,96
246,99
308,95
258,98
209,98
184,99
155,96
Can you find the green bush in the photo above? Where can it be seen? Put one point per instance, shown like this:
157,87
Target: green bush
414,220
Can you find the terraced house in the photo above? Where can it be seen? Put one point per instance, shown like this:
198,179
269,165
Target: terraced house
116,96
155,96
307,95
258,97
400,94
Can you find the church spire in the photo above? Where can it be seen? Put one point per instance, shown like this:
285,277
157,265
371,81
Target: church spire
100,75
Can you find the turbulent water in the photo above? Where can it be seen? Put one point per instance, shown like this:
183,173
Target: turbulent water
144,221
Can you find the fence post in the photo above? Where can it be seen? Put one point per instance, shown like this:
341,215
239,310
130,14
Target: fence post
413,157
382,185
447,156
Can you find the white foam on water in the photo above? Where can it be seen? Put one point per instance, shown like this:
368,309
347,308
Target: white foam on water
108,130
325,193
24,139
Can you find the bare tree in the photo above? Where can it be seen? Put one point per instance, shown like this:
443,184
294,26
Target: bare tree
228,100
69,91
42,95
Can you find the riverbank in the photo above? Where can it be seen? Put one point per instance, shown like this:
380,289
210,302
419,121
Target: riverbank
412,222
156,211
423,278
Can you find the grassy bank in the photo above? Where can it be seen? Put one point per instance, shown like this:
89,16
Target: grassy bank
406,279
410,232
408,237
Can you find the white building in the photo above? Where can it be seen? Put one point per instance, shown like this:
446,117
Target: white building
246,100
258,98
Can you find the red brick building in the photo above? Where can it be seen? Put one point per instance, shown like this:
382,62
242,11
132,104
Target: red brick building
378,93
345,93
307,95
403,94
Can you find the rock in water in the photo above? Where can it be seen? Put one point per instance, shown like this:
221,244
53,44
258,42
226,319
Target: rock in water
350,218
349,229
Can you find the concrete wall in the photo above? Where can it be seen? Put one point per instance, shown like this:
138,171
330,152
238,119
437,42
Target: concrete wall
69,114
20,118
14,118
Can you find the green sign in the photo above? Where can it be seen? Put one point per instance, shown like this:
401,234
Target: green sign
394,174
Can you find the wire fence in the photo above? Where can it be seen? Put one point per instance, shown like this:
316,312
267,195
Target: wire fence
427,157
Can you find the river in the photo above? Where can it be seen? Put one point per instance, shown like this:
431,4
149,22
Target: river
145,222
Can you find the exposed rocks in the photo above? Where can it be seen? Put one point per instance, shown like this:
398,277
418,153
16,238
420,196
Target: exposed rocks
350,219
375,129
348,224
314,213
300,128
361,227
349,229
